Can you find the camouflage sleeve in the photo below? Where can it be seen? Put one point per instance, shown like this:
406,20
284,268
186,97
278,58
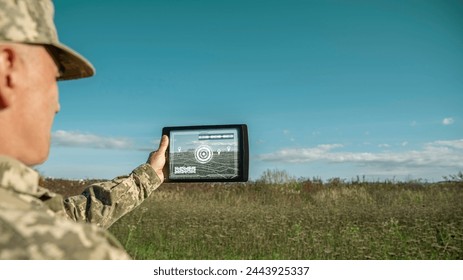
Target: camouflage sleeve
31,234
106,202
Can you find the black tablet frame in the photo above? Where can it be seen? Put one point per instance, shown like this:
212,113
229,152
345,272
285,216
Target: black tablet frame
243,152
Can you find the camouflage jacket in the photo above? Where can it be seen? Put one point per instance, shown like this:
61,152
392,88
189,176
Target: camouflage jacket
36,223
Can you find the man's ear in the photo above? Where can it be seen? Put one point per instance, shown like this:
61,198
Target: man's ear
8,66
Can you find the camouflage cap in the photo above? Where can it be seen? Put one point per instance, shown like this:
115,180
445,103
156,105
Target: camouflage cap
31,22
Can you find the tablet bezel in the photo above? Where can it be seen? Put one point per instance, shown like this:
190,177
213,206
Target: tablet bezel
243,152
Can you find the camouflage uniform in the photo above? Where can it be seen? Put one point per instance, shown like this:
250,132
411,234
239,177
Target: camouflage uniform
38,224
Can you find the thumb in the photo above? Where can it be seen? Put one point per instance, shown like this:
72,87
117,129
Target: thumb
157,159
163,144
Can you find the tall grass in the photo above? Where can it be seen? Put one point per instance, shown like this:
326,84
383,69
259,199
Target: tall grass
297,220
280,217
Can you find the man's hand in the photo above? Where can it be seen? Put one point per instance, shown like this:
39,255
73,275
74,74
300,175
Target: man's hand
157,159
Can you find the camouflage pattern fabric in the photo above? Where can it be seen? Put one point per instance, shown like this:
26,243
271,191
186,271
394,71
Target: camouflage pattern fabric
23,21
38,224
31,22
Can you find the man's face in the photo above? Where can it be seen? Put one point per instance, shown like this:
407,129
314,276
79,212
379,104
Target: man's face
39,101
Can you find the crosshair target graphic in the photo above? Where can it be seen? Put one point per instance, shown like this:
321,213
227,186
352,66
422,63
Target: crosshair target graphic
203,154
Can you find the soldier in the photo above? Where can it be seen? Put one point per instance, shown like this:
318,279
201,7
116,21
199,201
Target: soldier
36,223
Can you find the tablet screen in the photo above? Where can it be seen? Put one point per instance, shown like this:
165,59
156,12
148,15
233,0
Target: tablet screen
205,153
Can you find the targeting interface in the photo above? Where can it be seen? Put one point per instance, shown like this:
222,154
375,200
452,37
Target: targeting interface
200,154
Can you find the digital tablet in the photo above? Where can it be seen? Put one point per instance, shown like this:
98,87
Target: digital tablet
207,153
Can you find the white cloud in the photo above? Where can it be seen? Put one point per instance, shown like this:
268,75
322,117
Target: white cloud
300,155
434,154
75,139
448,121
455,144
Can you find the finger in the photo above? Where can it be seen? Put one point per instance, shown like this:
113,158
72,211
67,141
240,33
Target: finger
163,144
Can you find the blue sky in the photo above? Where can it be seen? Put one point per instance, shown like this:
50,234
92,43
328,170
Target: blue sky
327,88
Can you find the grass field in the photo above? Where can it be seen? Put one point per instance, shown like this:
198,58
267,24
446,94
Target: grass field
303,219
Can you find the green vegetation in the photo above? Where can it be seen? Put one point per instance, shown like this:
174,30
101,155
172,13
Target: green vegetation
274,218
